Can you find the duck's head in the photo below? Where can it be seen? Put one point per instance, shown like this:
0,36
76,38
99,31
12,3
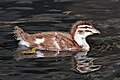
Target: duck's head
84,29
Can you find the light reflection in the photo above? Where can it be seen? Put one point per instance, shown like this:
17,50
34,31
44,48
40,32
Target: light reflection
83,64
80,62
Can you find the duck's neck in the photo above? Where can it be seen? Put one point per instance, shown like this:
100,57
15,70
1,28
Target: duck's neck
81,41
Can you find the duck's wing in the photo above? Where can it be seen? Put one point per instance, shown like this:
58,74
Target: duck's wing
55,41
45,40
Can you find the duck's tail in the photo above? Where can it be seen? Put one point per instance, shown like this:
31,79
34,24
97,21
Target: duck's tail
19,33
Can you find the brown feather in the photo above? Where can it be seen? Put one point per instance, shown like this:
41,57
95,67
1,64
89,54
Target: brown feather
53,40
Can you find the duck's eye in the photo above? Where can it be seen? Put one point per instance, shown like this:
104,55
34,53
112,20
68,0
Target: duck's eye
80,31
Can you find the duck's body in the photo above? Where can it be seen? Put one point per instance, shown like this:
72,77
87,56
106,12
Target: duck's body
58,41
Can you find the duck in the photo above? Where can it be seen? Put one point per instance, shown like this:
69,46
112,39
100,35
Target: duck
58,41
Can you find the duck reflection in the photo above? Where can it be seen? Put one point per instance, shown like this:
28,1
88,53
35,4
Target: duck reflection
80,62
83,64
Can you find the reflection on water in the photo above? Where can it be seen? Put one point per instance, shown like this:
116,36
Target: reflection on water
83,64
80,63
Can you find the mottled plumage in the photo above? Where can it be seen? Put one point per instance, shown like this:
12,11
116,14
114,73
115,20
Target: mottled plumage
58,41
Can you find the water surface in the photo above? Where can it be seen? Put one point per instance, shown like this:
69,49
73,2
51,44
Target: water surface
58,15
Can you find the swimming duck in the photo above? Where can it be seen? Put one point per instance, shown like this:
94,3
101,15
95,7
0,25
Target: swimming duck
58,41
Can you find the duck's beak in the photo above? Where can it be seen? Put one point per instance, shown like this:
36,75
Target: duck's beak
95,31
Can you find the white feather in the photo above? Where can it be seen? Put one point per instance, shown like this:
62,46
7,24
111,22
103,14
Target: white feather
84,26
22,42
38,40
39,54
19,38
56,44
81,41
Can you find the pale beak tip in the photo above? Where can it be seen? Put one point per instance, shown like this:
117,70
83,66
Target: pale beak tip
97,32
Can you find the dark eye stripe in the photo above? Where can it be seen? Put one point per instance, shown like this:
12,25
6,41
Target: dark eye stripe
85,27
80,31
88,31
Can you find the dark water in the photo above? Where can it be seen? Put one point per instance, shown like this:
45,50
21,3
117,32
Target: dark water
58,15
